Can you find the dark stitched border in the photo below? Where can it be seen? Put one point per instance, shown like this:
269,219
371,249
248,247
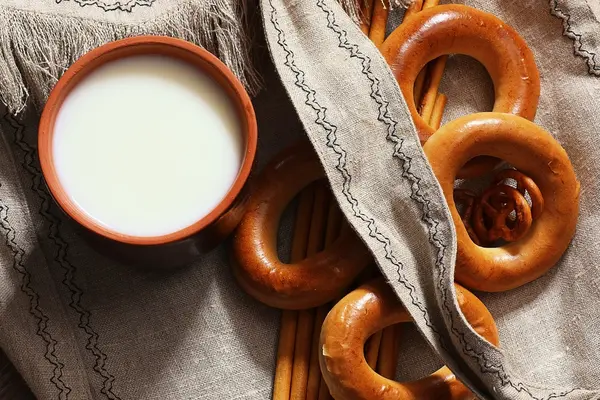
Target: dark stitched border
34,304
62,248
127,5
578,50
416,194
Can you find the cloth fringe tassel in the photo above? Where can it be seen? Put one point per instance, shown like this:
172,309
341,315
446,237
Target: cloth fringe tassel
37,48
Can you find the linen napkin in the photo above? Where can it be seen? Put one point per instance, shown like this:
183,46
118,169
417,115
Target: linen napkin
79,326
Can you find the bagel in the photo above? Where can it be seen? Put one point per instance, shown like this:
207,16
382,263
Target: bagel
311,282
534,152
459,29
366,311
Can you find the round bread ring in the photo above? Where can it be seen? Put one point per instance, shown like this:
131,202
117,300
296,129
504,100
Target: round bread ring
311,282
532,150
366,311
459,29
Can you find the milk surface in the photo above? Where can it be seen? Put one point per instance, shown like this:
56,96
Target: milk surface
147,145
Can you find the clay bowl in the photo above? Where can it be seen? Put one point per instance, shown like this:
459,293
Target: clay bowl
181,247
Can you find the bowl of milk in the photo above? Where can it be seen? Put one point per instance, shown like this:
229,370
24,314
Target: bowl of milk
147,144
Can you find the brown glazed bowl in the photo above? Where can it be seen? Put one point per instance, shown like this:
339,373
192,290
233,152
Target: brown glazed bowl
177,248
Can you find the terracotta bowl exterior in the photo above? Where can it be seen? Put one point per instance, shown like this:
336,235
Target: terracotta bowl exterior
177,248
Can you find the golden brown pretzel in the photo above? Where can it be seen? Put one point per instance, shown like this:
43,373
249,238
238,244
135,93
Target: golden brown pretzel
532,150
498,203
312,282
455,28
524,184
367,310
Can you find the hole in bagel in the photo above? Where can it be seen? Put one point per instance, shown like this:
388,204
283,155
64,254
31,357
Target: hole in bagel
468,87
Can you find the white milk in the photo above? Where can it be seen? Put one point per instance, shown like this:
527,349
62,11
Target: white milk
147,145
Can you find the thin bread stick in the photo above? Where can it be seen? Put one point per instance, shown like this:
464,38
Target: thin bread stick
388,357
366,15
289,319
379,22
438,111
436,70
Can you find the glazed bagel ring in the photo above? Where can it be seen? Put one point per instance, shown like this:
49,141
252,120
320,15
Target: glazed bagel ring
459,29
532,150
311,282
364,312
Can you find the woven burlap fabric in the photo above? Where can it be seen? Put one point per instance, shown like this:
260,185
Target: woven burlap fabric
78,326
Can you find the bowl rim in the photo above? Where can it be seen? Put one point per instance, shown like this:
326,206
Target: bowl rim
134,46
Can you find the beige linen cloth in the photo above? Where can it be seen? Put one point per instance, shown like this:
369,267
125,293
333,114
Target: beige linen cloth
78,326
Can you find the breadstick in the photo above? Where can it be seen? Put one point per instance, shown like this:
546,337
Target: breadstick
420,81
304,330
306,318
419,85
366,15
334,225
314,372
388,353
289,319
438,111
334,219
414,8
372,349
436,70
430,3
379,22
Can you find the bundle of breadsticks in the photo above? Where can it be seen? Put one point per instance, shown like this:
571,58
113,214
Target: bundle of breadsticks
338,336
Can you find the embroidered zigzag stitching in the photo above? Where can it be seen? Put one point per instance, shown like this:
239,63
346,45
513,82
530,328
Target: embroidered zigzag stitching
588,56
34,304
60,258
127,5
